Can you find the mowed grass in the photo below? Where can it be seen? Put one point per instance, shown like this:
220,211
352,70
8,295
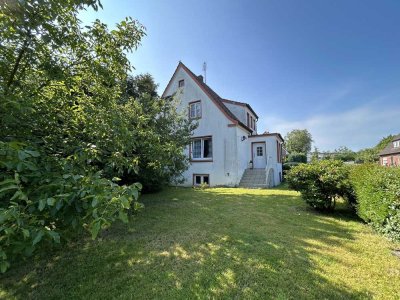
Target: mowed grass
218,243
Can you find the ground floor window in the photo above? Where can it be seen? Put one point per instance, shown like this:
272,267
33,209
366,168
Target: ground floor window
199,179
201,148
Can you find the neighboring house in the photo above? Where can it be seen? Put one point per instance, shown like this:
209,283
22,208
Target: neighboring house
226,149
390,156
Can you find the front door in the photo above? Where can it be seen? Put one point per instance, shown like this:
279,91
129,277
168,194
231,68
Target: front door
259,156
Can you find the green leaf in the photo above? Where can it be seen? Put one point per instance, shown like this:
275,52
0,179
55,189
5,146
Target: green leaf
10,187
125,202
94,202
51,201
135,194
38,237
42,204
19,195
22,155
123,216
95,228
55,236
6,181
4,265
32,153
25,232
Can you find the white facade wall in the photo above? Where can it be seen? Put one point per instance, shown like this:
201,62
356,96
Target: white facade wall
243,152
223,169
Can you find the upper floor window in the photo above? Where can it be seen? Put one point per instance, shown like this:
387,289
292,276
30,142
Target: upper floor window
202,148
396,144
181,83
195,110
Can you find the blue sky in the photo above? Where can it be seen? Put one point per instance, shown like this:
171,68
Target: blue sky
332,67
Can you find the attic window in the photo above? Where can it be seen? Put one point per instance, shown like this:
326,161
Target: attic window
181,83
396,144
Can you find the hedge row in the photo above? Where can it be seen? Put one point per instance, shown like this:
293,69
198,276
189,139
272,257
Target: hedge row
378,197
372,189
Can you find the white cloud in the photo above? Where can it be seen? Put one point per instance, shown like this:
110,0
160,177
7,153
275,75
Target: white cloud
357,128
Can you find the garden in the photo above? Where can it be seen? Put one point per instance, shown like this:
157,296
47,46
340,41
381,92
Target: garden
218,243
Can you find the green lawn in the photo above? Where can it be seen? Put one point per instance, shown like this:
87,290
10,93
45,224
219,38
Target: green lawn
218,243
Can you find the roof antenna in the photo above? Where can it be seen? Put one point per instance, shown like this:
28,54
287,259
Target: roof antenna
205,72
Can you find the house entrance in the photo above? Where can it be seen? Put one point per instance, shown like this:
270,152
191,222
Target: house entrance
259,155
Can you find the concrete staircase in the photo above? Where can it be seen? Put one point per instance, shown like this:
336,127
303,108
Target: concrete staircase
253,178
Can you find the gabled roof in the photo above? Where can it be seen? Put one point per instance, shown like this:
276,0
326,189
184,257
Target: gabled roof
240,104
210,93
389,149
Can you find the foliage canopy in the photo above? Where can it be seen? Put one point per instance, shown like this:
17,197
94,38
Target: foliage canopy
298,141
75,133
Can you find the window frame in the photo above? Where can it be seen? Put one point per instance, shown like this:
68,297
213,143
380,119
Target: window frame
195,103
181,83
201,158
201,179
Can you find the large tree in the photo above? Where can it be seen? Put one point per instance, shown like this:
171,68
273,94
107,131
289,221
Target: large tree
298,141
163,133
65,133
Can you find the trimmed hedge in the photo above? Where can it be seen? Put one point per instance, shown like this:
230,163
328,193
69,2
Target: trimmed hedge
374,190
378,197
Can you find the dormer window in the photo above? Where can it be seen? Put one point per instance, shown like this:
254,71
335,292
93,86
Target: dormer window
181,83
396,144
195,110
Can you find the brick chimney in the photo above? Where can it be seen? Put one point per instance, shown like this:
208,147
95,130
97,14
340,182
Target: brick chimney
200,77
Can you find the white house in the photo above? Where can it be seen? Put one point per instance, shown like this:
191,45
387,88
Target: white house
226,149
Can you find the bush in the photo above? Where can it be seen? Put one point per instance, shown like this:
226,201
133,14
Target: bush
287,166
321,183
378,197
297,157
44,199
